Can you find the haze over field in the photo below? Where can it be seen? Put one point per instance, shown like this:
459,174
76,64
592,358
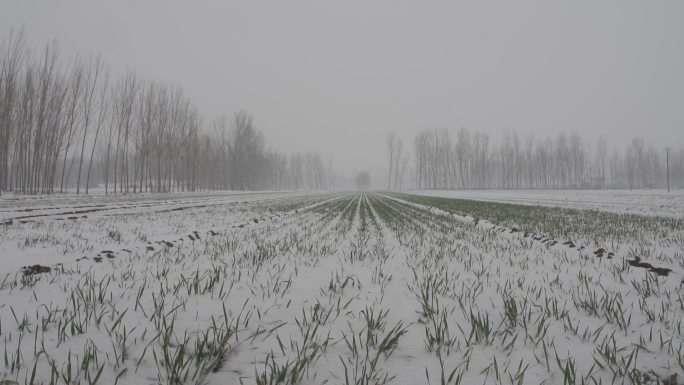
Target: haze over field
341,192
337,76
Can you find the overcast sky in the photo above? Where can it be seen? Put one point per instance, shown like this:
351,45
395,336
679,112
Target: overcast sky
338,75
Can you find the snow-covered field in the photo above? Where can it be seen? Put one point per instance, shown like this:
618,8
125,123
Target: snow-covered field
343,288
71,224
646,202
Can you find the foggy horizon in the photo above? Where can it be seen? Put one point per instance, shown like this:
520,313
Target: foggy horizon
341,192
336,78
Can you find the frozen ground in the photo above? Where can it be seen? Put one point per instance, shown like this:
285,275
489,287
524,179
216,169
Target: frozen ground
72,224
340,288
32,207
645,202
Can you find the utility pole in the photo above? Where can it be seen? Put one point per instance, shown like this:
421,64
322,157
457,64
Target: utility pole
667,167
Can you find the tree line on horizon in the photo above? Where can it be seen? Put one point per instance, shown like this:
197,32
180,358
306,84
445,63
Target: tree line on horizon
72,125
444,159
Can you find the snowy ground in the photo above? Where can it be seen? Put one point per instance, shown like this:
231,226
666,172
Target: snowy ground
77,225
32,207
320,288
645,202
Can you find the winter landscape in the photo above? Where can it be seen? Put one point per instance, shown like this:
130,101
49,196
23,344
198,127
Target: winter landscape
298,208
358,288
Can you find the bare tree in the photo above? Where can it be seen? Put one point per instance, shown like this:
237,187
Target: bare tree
601,155
92,77
391,140
11,57
398,156
103,111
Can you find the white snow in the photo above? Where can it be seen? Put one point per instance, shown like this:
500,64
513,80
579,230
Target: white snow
645,202
237,288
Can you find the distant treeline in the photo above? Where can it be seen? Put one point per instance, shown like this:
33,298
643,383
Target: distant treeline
444,159
68,124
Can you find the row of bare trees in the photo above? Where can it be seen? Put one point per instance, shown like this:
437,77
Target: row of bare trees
249,165
69,125
463,159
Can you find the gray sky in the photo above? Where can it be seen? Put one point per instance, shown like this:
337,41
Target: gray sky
337,76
